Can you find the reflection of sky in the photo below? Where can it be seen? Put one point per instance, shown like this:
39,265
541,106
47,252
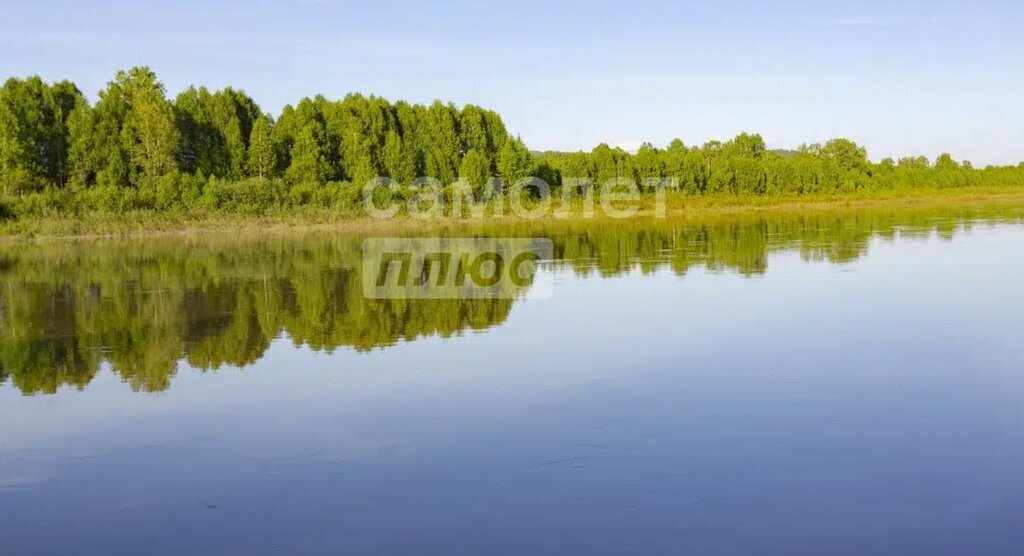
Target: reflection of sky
817,404
903,78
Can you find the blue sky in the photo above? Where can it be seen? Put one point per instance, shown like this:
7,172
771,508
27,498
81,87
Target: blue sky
899,77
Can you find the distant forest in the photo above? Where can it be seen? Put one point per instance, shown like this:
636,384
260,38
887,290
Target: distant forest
136,149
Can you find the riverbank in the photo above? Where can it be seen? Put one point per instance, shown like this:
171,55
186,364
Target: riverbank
150,223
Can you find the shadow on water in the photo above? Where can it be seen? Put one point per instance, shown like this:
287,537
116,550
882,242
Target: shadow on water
145,305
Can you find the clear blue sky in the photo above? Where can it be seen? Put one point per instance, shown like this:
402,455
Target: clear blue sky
900,77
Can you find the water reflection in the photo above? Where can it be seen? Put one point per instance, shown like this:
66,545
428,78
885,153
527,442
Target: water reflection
145,306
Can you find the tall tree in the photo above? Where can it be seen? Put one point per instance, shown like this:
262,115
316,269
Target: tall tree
476,169
293,123
846,154
308,157
473,125
131,137
399,161
261,156
648,163
514,162
216,128
155,137
33,132
83,160
606,163
441,142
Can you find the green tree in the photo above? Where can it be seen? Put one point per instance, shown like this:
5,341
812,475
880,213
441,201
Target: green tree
945,163
849,156
399,162
441,142
293,122
308,157
131,137
154,136
34,132
261,158
476,169
216,127
514,162
648,163
473,124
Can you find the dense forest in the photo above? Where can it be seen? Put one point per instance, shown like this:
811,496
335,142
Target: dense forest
136,149
144,307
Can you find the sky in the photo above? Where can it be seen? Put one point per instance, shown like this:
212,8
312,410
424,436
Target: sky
901,78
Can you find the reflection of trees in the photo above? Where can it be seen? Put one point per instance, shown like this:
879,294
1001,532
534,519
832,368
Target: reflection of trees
144,305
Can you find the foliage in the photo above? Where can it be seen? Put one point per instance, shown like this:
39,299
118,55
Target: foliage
216,150
34,133
261,159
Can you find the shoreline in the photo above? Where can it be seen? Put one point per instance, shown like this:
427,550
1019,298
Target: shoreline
678,207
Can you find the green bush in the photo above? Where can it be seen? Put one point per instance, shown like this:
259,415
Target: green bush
48,202
347,195
107,198
168,192
252,196
301,194
6,212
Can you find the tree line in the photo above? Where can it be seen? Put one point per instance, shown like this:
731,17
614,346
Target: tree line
745,166
135,148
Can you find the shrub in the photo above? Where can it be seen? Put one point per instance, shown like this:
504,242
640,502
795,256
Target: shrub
48,202
6,212
168,192
252,196
301,194
107,198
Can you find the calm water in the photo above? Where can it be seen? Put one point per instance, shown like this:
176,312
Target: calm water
840,383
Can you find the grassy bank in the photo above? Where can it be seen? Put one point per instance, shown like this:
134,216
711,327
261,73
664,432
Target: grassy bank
149,222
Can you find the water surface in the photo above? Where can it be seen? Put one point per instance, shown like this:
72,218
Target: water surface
830,382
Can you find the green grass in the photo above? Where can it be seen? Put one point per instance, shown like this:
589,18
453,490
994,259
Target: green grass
212,221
